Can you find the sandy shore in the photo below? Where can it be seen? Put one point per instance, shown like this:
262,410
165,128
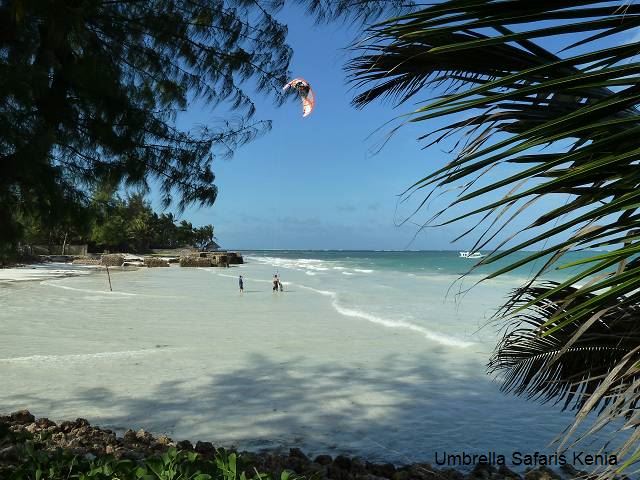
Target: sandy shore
333,365
43,271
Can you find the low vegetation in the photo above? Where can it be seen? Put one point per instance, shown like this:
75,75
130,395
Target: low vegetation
22,457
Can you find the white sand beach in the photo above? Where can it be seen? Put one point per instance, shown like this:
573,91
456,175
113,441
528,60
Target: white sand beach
374,363
42,272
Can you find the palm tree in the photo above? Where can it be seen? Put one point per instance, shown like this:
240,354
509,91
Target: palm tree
563,127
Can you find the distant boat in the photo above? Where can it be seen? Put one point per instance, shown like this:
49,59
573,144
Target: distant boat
471,255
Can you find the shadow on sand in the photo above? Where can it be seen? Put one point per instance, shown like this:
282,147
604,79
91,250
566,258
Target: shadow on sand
401,414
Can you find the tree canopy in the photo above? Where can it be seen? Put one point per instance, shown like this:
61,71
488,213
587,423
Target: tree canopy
113,223
90,91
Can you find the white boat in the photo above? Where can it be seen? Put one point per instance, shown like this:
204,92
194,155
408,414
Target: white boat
471,255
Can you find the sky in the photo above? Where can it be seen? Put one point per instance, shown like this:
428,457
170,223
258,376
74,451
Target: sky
317,182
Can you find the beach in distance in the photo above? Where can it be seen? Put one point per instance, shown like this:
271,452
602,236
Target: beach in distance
374,354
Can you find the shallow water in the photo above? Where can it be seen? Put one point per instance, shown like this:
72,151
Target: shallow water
356,356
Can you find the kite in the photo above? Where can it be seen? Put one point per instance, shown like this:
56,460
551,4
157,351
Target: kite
306,94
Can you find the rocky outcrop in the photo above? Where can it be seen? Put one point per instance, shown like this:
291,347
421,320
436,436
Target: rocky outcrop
80,438
113,260
155,262
192,261
87,261
235,258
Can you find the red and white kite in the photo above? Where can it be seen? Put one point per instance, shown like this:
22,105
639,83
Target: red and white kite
306,94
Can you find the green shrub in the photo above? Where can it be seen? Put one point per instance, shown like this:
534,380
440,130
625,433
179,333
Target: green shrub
30,461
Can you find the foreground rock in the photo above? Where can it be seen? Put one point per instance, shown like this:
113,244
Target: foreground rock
80,438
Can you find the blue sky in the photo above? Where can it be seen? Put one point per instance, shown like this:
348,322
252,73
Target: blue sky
314,183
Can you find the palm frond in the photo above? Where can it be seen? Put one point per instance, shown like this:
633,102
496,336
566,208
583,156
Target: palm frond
537,124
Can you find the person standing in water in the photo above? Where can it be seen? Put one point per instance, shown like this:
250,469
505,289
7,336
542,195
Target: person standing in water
241,284
275,283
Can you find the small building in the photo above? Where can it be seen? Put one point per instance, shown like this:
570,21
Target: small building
212,247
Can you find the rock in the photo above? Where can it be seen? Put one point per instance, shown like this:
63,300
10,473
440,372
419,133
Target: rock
144,436
110,438
195,262
324,460
184,445
109,450
358,466
31,428
297,453
401,475
155,262
296,464
16,428
422,471
129,437
66,426
97,448
507,473
369,477
570,470
112,260
81,422
482,471
163,440
316,470
135,264
22,417
45,423
76,442
205,448
86,261
9,453
451,474
81,431
337,473
343,462
385,470
541,473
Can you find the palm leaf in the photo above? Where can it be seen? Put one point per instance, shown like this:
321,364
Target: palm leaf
567,125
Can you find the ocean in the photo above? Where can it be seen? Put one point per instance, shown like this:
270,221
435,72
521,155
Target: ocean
381,355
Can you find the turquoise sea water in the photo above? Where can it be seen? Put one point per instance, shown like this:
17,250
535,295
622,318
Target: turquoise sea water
376,354
444,261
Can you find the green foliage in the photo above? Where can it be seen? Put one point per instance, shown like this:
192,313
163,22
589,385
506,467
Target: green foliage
558,132
132,225
89,93
110,222
35,463
203,237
